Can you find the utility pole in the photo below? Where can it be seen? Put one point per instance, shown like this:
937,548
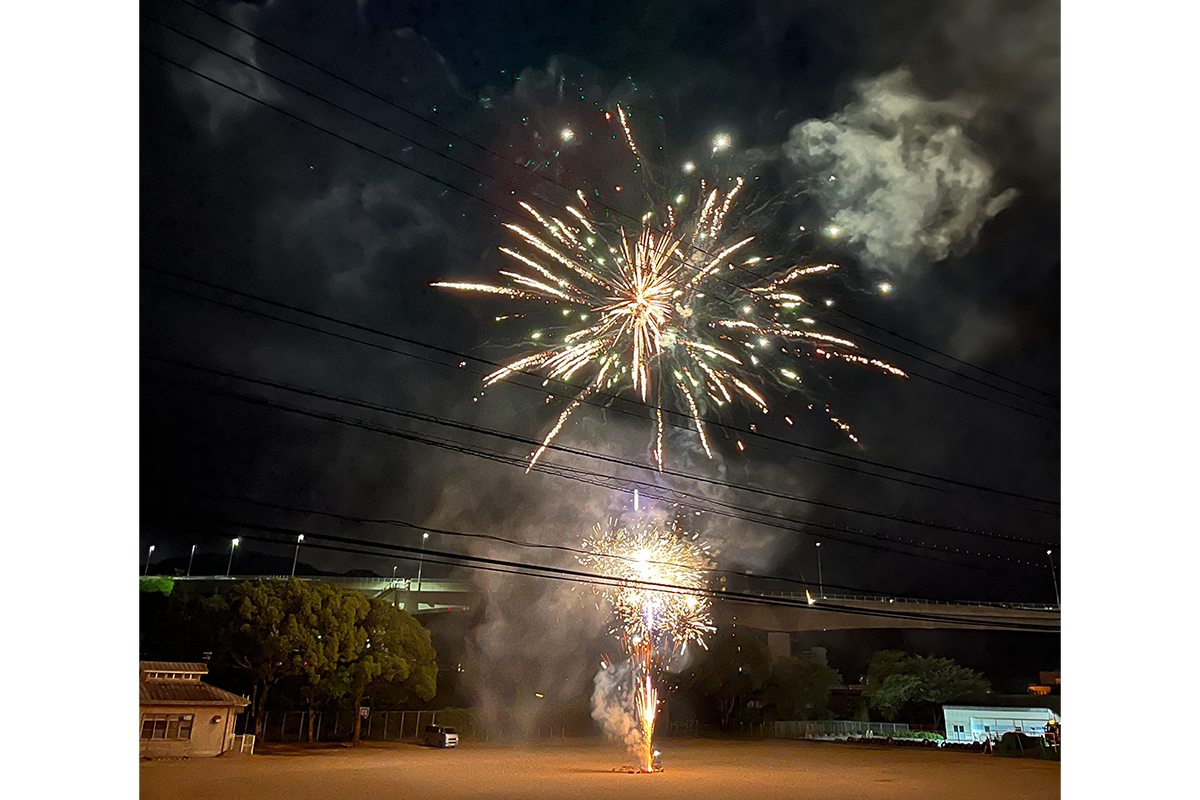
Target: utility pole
149,553
190,557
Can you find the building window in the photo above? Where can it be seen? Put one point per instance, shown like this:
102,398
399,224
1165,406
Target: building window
167,726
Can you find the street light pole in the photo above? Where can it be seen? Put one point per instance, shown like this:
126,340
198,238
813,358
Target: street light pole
421,562
820,578
232,544
192,556
299,539
1054,578
149,553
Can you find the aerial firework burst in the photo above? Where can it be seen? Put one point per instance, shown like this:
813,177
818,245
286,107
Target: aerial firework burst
653,623
676,311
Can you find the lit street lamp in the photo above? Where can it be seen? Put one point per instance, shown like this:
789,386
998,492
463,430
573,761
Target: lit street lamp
421,562
393,572
1054,578
820,579
232,544
149,553
192,556
299,539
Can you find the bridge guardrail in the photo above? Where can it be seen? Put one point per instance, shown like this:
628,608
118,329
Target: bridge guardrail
916,601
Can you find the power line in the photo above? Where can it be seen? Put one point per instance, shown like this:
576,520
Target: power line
699,502
902,337
740,574
511,437
602,399
505,183
580,576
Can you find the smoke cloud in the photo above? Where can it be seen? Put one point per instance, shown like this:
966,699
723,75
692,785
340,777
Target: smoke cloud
613,705
897,174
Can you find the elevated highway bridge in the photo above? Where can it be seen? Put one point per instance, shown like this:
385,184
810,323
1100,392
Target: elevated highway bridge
766,612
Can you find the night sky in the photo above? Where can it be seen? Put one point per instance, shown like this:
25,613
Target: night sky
942,122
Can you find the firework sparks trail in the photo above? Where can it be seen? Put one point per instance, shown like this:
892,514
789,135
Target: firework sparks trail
652,623
650,311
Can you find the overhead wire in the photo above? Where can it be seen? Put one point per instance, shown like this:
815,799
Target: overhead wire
510,185
574,451
602,400
485,563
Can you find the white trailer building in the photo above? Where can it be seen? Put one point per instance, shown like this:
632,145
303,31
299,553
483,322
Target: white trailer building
980,723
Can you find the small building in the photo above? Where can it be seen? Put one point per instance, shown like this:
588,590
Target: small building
180,714
981,723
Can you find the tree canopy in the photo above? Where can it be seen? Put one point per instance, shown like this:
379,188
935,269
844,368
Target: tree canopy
799,688
731,669
897,681
329,643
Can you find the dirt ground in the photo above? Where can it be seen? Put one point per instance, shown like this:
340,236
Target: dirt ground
580,771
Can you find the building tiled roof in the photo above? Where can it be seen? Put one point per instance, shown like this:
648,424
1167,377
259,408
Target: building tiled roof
173,666
192,694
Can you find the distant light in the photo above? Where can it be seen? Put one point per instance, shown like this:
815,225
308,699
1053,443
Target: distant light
722,141
829,302
746,309
688,167
567,134
886,288
833,231
618,188
152,550
424,536
679,199
236,542
300,538
763,343
538,694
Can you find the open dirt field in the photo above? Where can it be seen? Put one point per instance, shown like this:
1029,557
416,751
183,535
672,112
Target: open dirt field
580,771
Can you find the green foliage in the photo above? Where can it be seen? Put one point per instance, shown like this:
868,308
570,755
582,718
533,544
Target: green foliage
734,667
799,688
898,680
327,643
917,735
397,662
332,635
156,584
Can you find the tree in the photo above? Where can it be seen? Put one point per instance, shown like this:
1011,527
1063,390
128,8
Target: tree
330,637
734,667
898,680
268,628
397,661
799,688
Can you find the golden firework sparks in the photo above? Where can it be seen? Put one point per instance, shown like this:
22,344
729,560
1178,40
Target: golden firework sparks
656,620
650,310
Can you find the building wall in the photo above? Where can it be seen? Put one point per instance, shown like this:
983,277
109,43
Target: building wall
980,723
208,738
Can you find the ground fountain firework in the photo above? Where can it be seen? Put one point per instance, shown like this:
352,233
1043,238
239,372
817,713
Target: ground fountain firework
676,308
660,601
